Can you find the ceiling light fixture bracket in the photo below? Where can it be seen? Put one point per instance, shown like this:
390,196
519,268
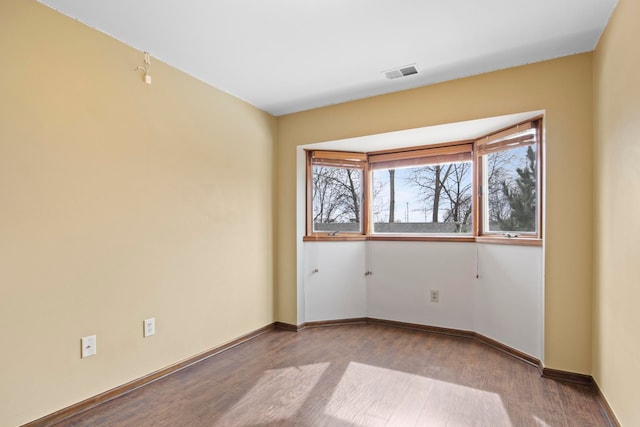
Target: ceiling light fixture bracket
146,68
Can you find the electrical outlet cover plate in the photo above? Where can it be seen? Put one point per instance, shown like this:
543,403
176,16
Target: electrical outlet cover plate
88,346
435,296
149,327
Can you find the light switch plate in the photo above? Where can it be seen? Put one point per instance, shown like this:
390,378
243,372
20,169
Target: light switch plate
149,327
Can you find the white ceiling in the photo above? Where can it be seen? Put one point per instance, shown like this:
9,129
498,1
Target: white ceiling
285,56
449,132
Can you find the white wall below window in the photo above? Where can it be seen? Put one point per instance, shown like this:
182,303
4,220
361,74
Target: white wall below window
404,273
505,301
509,295
335,286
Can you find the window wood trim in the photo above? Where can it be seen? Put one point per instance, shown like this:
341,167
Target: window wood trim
512,137
338,159
343,237
465,238
519,241
309,194
499,237
422,147
460,151
502,240
540,175
421,157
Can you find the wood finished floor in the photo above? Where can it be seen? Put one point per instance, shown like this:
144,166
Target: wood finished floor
353,375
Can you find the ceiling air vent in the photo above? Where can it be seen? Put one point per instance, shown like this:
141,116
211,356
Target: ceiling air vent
401,72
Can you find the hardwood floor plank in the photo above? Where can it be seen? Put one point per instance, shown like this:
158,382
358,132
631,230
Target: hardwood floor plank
353,375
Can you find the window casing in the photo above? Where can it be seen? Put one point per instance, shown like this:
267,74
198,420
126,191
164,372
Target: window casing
508,166
425,191
483,190
335,193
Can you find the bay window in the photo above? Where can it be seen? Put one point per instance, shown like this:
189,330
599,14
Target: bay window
483,190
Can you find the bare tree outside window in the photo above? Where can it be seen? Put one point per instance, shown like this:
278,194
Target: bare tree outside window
431,199
337,196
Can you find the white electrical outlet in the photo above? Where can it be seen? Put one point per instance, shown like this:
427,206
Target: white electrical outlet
435,296
149,327
88,346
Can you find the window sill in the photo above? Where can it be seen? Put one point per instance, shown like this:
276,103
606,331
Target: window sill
388,238
495,240
337,238
501,240
421,238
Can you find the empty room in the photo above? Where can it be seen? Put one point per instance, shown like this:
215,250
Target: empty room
289,213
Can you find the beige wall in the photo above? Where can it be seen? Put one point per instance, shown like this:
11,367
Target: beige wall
120,201
616,349
563,88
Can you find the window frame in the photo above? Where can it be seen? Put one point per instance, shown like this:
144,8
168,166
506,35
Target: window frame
344,159
405,156
501,141
456,152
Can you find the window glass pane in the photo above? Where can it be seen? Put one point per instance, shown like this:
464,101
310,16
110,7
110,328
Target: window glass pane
435,199
337,199
510,197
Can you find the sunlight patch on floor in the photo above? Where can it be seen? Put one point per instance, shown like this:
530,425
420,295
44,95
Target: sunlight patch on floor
373,396
540,423
285,389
